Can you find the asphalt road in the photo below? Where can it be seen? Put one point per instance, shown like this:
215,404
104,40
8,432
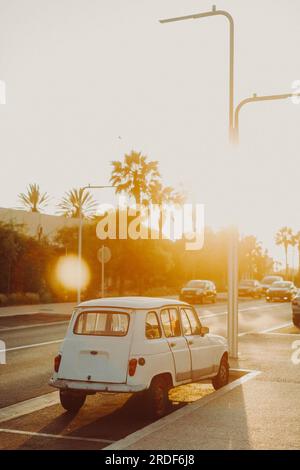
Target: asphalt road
29,367
30,353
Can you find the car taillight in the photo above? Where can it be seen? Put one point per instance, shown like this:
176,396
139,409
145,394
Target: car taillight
57,360
132,367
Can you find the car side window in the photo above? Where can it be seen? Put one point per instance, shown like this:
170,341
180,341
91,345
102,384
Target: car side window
170,321
194,321
187,330
153,330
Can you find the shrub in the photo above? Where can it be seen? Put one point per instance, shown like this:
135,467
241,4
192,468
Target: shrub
32,298
46,297
16,298
3,300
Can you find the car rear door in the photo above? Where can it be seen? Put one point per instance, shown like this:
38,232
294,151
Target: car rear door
202,351
180,351
97,347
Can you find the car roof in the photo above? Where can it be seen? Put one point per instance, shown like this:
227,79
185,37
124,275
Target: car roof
133,302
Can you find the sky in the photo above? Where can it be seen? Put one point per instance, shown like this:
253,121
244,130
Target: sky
88,81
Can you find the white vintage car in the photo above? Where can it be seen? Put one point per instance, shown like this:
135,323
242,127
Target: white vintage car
136,344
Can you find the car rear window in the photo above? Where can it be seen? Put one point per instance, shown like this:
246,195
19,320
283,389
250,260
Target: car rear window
102,324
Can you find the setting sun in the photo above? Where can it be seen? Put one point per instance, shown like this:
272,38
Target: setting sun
71,274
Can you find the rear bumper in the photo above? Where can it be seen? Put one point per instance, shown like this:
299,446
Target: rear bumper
93,387
192,297
283,298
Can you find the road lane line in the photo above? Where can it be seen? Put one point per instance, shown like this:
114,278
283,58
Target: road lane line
29,406
157,426
283,325
259,307
56,436
24,327
37,345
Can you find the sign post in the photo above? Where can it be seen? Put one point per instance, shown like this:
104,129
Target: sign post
104,255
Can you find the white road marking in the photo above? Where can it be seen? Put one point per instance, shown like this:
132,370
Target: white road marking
28,406
283,325
171,418
291,335
24,327
37,345
56,436
259,307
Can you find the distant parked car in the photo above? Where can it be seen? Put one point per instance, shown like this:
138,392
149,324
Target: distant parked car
281,290
268,281
197,291
136,344
250,288
296,310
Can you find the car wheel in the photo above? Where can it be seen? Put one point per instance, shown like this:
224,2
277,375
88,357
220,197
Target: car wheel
222,378
158,397
71,401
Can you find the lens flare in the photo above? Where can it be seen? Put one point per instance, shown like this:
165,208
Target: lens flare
71,273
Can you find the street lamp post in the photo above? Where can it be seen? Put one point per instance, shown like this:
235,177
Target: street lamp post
232,318
215,12
83,189
254,99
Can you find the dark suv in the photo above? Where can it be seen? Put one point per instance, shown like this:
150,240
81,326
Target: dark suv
197,291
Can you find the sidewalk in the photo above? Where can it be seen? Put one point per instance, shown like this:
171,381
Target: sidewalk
60,308
262,413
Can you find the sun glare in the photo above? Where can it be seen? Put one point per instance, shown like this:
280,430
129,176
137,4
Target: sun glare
72,274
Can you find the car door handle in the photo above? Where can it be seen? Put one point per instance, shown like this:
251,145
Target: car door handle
172,345
190,341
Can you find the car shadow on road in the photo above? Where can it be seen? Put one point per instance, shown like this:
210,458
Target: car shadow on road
128,415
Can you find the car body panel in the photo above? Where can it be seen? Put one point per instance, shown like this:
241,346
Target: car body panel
183,358
250,288
267,281
282,290
206,290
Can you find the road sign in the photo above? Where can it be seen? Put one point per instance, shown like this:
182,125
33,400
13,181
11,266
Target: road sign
104,254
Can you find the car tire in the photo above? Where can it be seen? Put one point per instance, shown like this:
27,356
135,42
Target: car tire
158,397
71,401
222,378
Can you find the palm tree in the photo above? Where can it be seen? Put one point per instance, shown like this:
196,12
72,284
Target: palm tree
76,202
284,237
33,200
296,240
162,195
135,176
